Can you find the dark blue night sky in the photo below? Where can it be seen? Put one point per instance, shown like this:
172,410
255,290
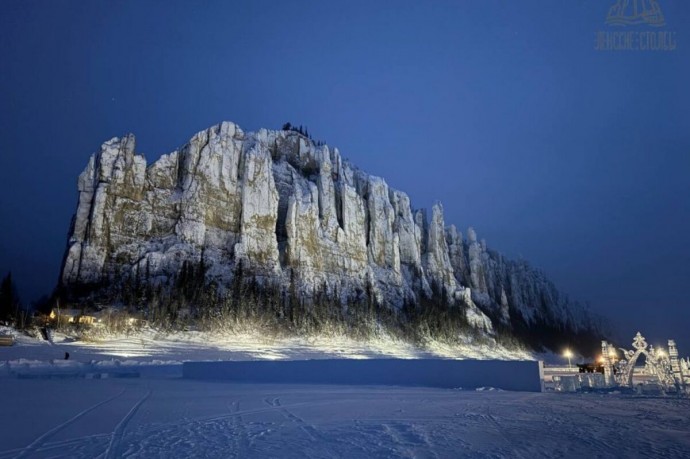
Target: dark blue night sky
575,159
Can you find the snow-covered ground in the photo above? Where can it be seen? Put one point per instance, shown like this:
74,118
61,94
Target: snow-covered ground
171,417
148,344
124,397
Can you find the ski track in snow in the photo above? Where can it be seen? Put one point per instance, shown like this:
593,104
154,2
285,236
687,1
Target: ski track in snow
113,449
241,439
31,448
308,429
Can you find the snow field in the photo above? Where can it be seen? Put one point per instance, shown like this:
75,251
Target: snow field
52,408
170,418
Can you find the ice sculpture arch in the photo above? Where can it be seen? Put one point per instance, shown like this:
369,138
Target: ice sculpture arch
672,373
655,361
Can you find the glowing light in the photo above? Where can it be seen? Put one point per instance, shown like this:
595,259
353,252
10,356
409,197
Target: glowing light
568,354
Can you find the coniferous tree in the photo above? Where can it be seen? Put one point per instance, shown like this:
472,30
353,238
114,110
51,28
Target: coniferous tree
8,298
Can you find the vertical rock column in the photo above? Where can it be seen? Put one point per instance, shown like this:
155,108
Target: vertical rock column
456,253
258,244
114,172
437,261
477,275
383,249
404,225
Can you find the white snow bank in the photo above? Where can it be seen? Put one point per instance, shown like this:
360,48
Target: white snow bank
113,368
502,374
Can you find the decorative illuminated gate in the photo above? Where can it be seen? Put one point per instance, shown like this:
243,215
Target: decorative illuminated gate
665,366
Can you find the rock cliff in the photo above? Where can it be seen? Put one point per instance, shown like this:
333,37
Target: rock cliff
290,211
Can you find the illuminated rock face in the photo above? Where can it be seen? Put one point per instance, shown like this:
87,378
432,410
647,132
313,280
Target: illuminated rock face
291,211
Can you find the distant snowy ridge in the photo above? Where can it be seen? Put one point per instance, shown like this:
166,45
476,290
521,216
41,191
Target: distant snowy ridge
297,216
